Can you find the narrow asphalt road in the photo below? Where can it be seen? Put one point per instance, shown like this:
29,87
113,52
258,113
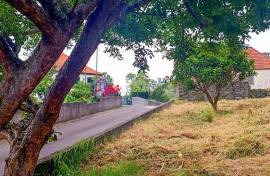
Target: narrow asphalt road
84,128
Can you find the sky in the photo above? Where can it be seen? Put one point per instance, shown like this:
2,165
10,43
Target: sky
159,68
118,69
260,42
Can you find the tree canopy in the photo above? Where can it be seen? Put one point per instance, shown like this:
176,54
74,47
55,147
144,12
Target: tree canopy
174,27
141,83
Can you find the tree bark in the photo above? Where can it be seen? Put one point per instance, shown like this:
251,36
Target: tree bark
23,158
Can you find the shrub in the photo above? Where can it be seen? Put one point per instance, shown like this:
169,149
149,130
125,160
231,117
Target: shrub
159,94
80,92
111,90
207,115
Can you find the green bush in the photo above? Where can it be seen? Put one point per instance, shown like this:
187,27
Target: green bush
164,92
159,94
207,115
80,92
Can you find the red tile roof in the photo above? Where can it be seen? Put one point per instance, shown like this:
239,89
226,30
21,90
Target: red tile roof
62,59
261,61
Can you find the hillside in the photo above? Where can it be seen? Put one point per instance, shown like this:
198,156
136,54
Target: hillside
190,139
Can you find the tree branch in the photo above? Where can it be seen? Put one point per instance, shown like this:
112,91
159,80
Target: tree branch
8,57
195,15
137,5
35,13
50,7
84,9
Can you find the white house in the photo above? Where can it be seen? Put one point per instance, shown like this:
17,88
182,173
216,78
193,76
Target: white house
87,74
262,66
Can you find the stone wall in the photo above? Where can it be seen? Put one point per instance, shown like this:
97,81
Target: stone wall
238,90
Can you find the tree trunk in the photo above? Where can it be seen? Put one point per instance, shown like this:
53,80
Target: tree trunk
25,149
214,105
211,100
22,159
24,154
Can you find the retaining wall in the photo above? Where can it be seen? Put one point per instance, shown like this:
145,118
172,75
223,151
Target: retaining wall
70,111
238,90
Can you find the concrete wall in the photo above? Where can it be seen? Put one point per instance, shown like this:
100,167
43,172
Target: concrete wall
261,80
139,101
142,101
70,111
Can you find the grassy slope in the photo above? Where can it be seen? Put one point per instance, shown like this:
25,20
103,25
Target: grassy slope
190,139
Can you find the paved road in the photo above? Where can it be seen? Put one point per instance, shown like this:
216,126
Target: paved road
84,128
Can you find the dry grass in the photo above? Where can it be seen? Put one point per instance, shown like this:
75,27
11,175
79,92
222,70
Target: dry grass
190,139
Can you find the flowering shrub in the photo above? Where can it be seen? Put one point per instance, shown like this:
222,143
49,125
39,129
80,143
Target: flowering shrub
111,89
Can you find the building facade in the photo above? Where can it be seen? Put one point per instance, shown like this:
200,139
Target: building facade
88,74
262,67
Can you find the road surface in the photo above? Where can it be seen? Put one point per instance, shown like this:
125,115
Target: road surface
84,128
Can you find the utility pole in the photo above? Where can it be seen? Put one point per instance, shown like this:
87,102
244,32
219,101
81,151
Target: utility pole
97,63
95,82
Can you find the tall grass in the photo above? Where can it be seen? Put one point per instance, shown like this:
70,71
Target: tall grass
68,163
122,168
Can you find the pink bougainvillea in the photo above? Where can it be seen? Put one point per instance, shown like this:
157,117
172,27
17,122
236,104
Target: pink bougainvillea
111,89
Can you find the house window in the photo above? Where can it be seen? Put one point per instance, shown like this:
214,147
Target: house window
89,80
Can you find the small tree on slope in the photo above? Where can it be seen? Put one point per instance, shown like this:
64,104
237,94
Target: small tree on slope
216,69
